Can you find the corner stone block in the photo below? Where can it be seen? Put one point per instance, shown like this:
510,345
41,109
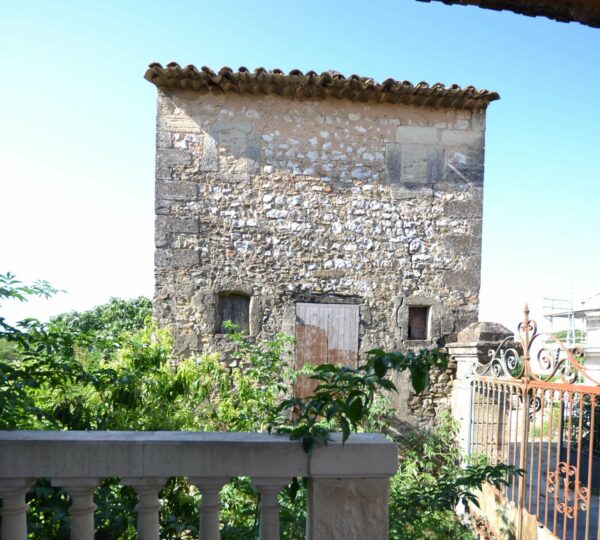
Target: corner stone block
463,280
179,191
168,224
163,139
172,156
466,208
161,237
162,258
462,244
460,137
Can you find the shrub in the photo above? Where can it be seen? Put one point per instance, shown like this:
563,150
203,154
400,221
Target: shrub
110,368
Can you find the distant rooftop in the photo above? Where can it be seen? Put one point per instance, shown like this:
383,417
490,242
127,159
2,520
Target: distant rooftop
582,11
584,306
312,85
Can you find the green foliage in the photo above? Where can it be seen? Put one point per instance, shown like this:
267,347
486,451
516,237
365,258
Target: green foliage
8,351
430,482
344,396
111,319
110,368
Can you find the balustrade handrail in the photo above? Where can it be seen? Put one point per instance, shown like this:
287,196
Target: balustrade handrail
78,460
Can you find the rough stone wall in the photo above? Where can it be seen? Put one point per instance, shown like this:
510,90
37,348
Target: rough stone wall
290,200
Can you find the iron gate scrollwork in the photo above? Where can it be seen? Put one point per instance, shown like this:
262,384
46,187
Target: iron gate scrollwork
535,405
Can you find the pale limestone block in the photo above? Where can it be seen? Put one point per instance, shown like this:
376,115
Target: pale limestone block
393,162
459,137
178,123
416,134
478,121
233,141
209,161
413,167
163,139
435,164
341,509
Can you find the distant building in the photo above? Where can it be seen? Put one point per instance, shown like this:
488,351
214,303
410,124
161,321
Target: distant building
341,211
586,316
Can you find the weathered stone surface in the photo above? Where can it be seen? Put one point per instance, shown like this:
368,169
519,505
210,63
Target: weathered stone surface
333,501
175,191
393,162
417,135
483,331
326,201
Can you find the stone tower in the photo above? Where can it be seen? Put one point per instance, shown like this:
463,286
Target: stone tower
338,210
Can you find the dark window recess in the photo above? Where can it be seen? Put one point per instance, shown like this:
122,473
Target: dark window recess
418,319
234,308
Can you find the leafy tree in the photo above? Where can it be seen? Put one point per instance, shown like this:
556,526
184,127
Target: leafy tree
110,319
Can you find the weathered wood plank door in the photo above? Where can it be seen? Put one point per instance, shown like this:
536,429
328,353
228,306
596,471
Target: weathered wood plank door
325,333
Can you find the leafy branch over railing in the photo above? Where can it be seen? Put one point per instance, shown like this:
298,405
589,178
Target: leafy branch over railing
343,397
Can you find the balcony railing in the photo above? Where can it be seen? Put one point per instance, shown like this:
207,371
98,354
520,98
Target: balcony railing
348,485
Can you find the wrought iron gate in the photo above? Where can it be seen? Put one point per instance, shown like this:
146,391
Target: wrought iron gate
536,405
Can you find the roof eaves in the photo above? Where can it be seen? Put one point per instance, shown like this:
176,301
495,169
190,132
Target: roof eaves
312,85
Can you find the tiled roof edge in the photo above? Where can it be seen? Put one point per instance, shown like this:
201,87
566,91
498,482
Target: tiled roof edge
312,85
584,11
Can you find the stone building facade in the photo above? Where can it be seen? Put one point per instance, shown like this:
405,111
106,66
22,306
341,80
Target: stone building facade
338,210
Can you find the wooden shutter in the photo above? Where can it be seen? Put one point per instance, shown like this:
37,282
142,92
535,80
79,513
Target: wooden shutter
325,333
234,308
418,318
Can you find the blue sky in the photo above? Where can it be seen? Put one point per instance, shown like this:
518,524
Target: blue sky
77,128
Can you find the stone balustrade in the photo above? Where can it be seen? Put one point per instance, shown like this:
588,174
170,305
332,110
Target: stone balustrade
348,485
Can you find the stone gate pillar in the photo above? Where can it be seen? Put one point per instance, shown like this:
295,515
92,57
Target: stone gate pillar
473,344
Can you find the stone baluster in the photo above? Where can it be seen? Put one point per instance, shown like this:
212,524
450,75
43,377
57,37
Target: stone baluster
14,508
269,488
209,506
148,506
81,491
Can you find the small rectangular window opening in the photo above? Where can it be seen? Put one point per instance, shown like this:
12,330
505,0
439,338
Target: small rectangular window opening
235,308
418,322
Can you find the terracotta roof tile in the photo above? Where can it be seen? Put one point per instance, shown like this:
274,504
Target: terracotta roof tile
583,11
312,85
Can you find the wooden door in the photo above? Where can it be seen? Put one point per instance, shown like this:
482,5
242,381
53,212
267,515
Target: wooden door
325,333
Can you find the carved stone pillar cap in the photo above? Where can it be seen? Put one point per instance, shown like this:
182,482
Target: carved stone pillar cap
483,331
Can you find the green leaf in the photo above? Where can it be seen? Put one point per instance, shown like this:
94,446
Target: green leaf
308,444
419,377
379,367
345,429
355,411
326,368
387,384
